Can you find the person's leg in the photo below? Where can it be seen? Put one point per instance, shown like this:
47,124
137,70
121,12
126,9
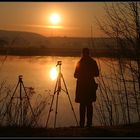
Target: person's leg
82,114
89,114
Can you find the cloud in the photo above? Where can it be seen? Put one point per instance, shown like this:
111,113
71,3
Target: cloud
50,26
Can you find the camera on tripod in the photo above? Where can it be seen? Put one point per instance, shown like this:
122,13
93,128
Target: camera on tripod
59,63
58,88
20,77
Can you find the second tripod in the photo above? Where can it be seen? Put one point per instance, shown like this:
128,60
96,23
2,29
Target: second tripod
17,109
57,90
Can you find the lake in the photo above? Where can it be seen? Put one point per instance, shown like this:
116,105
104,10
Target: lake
36,73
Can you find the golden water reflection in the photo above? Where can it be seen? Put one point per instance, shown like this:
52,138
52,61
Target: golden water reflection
36,74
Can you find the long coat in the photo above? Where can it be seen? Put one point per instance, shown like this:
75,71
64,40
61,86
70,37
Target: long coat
86,70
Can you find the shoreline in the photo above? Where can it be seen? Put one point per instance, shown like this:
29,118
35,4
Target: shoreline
115,56
132,130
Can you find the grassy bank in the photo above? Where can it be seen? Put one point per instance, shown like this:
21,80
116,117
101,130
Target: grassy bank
97,131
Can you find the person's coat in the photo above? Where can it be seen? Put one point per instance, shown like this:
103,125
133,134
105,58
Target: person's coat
86,70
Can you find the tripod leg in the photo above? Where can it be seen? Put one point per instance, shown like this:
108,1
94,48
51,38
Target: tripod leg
10,101
52,102
16,113
29,103
69,99
21,106
56,108
49,111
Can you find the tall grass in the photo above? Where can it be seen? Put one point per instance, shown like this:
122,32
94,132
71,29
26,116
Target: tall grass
10,107
118,93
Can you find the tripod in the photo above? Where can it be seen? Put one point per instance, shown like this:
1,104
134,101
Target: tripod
57,90
19,112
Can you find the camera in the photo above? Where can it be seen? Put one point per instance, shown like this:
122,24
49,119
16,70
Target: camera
20,78
59,63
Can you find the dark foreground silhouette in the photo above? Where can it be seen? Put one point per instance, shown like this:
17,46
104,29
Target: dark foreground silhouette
97,131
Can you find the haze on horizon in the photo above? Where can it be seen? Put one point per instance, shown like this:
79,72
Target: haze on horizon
76,18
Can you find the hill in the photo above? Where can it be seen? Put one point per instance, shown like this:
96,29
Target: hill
27,43
29,39
22,39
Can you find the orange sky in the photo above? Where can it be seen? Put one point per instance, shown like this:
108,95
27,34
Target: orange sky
76,17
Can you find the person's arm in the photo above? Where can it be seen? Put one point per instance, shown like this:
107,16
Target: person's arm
96,70
76,73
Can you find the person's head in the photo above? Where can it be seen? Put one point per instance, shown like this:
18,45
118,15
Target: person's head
85,52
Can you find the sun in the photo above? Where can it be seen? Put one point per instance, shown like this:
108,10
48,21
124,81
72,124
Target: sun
55,18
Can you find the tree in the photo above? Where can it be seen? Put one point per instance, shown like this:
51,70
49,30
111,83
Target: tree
122,22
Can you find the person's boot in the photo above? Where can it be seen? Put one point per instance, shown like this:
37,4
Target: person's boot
89,125
81,125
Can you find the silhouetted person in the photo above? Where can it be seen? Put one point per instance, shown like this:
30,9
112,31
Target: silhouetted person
86,70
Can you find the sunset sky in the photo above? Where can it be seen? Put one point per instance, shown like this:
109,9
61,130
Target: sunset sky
75,18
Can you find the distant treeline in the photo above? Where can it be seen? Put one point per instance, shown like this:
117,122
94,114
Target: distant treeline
66,52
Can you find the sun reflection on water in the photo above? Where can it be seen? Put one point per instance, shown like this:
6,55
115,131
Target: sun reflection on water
53,73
